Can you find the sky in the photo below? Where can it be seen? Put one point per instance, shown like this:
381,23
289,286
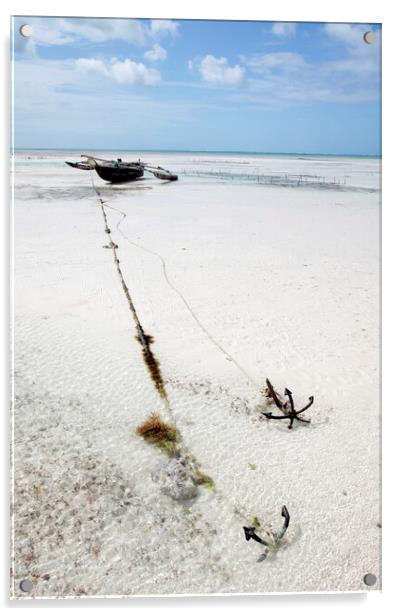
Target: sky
125,84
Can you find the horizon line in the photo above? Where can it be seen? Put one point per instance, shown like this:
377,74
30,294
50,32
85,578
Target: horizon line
188,151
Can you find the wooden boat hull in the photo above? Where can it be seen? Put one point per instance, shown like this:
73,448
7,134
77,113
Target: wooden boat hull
117,171
117,174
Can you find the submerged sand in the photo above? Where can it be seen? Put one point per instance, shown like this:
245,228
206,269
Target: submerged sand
286,281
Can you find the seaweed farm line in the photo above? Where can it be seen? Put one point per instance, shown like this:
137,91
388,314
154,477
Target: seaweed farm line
277,180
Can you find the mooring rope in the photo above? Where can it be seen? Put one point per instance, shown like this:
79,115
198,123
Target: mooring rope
183,299
146,340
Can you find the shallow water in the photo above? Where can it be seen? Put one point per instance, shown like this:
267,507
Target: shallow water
236,282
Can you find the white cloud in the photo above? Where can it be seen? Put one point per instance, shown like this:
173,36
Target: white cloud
283,60
217,71
290,78
283,28
156,54
132,72
71,30
163,27
126,71
64,31
90,65
361,59
349,34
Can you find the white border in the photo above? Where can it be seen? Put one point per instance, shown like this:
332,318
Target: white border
289,10
284,10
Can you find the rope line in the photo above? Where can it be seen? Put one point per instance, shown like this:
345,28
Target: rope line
145,340
183,299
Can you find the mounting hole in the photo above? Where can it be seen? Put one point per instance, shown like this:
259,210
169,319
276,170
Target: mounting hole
370,579
26,30
26,586
369,37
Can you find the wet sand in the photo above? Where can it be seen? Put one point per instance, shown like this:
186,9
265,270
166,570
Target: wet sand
236,282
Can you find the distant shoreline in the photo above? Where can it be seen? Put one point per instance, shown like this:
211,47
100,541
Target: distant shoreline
208,152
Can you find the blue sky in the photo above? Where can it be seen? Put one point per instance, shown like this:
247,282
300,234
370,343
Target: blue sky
196,85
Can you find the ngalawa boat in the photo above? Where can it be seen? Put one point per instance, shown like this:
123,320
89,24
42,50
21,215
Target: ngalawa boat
117,171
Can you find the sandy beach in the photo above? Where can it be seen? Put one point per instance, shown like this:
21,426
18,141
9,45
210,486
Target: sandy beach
237,281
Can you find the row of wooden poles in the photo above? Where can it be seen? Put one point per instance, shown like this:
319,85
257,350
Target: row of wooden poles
284,180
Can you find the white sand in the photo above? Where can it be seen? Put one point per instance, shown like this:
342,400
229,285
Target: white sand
286,280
